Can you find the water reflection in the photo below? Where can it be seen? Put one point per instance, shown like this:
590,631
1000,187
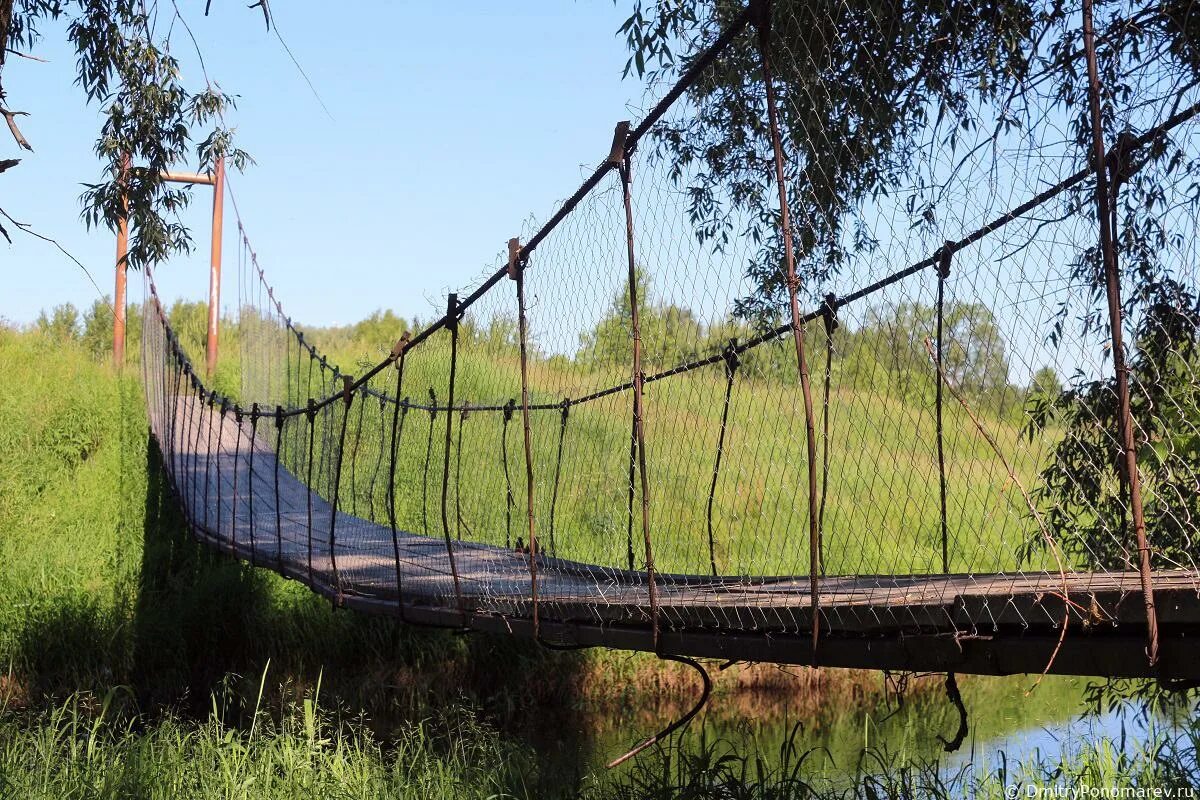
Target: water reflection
1009,724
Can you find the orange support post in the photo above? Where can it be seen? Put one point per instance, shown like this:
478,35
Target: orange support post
122,254
216,179
214,270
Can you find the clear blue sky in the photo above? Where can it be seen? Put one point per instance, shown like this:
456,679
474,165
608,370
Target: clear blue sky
451,124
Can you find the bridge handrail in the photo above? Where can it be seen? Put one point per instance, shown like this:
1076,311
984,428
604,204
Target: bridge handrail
833,303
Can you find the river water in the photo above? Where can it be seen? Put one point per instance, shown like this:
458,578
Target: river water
1008,724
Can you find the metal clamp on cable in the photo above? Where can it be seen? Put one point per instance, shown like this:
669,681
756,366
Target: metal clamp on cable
509,409
829,313
617,153
400,347
279,417
347,389
516,261
731,357
945,254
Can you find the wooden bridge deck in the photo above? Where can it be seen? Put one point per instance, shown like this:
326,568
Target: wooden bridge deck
915,622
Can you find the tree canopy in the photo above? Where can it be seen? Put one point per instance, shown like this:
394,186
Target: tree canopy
868,90
125,67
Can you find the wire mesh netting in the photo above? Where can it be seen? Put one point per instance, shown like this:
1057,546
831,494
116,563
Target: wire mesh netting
883,398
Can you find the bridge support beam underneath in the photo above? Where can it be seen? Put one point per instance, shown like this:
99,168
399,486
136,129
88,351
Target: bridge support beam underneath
1103,653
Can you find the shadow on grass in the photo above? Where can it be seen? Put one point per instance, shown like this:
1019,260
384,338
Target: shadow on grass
203,619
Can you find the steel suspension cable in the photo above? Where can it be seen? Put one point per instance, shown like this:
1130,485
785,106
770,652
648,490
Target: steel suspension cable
399,413
516,271
348,400
509,501
278,510
562,433
731,365
829,317
452,327
625,170
250,497
793,285
312,415
943,272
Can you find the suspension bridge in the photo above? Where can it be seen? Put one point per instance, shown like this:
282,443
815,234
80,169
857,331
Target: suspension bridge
833,481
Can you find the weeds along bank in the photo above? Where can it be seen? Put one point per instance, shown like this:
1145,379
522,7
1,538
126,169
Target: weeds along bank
108,588
134,662
73,751
129,654
104,587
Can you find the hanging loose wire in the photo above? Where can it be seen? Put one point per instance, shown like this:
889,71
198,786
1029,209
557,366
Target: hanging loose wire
311,416
562,433
278,510
509,501
516,271
380,450
705,692
629,483
793,285
207,455
347,400
237,415
217,466
731,361
399,413
452,313
428,457
460,523
829,316
254,413
625,170
354,460
943,272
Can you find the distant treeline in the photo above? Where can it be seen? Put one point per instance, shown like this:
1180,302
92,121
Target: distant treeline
884,350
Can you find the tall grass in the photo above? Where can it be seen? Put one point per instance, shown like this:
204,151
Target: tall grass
121,638
103,584
1162,765
73,751
881,497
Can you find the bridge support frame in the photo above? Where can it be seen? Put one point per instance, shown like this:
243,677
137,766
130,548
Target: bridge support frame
215,179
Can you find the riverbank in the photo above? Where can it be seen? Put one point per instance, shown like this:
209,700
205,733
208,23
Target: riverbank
134,662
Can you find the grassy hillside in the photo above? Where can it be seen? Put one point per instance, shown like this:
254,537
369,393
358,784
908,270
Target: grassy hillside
136,663
881,500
